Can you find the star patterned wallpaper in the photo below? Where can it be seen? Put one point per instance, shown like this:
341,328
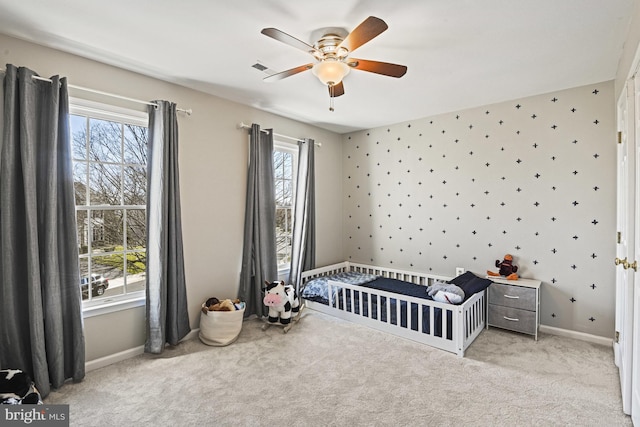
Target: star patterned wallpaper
533,177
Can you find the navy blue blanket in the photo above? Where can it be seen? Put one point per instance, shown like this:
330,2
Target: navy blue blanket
398,287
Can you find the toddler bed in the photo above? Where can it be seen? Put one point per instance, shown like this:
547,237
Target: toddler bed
396,301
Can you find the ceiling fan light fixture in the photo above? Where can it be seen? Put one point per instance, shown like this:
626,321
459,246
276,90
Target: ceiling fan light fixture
330,71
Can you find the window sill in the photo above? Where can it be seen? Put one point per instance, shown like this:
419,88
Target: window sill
111,305
283,274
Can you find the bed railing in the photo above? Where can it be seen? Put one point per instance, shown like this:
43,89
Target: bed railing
424,279
445,326
325,271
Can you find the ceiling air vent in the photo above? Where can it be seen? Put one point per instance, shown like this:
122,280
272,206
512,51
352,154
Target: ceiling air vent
259,66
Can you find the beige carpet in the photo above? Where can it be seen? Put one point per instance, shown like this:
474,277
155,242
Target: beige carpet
327,372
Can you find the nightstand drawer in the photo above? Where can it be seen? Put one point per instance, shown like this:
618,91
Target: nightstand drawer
513,296
513,319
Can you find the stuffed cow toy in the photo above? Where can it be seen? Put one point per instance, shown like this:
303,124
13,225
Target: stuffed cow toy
17,388
282,302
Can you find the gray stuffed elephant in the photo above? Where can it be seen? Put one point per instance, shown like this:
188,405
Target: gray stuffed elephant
446,292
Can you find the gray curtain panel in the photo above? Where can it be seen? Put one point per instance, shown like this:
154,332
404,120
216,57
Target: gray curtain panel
259,262
303,248
167,313
41,328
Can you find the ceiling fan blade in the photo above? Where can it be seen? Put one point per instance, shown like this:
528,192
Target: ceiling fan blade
285,38
336,90
367,30
384,68
287,73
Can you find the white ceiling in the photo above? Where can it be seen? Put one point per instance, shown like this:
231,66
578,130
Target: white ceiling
459,53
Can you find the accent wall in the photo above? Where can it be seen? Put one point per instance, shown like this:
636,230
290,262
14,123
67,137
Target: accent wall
533,177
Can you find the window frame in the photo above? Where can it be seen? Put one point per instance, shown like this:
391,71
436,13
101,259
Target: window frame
109,112
290,148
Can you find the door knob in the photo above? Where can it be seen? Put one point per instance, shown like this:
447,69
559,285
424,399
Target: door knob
619,261
633,265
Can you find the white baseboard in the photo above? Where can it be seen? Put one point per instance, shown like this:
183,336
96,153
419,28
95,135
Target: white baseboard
576,335
126,354
113,358
191,335
132,352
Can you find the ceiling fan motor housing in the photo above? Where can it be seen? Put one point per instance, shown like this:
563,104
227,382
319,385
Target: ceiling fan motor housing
328,45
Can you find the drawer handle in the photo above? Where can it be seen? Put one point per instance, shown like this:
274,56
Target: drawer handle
510,318
512,297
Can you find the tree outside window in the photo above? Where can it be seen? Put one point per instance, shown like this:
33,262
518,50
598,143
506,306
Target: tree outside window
110,181
284,163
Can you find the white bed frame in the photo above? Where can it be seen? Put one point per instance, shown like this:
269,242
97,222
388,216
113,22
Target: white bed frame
468,319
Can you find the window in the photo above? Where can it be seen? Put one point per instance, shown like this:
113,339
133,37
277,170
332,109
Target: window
109,150
285,157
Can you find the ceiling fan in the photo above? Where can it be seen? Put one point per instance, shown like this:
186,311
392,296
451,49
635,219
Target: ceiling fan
332,51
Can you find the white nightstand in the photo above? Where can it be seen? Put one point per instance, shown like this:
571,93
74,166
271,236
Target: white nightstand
514,305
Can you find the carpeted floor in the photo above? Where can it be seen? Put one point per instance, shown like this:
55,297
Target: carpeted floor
327,372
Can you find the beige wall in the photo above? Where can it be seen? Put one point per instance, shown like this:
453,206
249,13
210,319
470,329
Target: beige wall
213,160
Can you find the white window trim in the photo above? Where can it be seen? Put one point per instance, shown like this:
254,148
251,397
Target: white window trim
102,111
98,110
114,304
292,148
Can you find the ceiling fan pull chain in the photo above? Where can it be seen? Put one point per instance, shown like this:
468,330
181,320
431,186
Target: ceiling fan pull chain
331,93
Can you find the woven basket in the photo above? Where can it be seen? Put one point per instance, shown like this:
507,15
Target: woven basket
220,328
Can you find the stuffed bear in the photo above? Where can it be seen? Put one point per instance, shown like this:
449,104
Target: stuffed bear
446,292
212,301
507,269
214,304
224,305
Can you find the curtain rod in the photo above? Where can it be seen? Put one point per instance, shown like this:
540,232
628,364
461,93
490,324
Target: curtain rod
242,125
113,95
187,111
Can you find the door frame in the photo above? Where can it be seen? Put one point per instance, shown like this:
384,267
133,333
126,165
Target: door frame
634,139
624,316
